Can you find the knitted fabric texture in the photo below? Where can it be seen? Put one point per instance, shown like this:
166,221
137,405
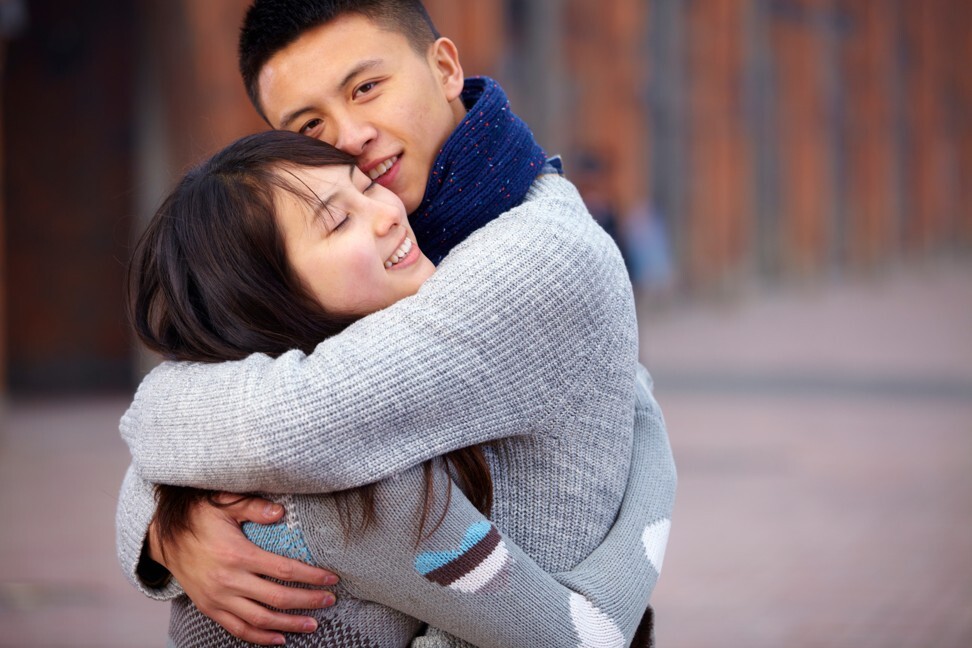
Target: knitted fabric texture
479,563
484,169
591,606
435,372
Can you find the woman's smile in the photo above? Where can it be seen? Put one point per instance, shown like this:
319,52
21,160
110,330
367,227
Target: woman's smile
348,239
404,256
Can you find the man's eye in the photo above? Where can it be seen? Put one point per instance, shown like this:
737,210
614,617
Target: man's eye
310,126
365,88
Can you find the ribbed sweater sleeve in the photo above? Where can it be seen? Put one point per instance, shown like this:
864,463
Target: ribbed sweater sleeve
136,507
501,598
467,578
490,347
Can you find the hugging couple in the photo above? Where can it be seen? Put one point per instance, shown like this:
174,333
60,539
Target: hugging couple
401,403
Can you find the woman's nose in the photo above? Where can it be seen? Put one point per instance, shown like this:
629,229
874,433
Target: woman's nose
386,217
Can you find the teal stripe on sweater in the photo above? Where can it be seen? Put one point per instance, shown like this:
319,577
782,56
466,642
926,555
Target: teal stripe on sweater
431,560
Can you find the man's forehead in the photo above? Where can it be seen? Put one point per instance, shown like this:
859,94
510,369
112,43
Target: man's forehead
338,46
324,59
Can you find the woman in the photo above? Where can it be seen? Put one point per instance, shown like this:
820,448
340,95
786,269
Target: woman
274,244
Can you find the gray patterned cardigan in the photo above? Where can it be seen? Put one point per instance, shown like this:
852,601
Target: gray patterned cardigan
524,339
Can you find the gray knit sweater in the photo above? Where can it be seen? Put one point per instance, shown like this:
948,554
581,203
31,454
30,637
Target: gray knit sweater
525,337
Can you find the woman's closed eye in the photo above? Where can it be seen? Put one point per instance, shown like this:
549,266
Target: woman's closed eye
329,219
338,224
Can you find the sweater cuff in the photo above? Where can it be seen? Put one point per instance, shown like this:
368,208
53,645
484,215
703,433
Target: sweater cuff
150,573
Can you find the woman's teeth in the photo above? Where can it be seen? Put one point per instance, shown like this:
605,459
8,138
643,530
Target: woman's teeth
382,168
400,253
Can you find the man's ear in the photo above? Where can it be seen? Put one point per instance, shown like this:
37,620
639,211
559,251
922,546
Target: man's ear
444,58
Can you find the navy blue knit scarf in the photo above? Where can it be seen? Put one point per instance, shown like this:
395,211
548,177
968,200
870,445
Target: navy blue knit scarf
484,169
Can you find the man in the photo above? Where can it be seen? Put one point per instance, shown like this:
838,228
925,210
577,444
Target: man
374,79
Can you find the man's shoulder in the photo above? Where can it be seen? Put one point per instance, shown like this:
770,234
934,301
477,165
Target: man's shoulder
552,215
550,219
553,191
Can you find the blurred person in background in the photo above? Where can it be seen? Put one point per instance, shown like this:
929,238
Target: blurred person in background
589,173
648,251
254,251
375,80
639,232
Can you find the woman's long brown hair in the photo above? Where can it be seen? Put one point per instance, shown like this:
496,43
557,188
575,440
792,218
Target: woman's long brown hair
210,282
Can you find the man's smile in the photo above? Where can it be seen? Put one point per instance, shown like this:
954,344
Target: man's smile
380,169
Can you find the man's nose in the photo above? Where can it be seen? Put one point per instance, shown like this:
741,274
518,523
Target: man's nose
353,135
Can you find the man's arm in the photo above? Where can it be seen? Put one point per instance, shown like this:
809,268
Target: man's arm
481,587
494,343
643,520
612,586
645,513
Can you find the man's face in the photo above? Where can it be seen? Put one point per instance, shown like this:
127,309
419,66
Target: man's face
366,91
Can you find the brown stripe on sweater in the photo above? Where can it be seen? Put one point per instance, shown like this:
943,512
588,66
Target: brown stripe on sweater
453,571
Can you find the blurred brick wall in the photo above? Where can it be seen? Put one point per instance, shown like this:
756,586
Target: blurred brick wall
932,181
73,105
190,56
717,221
4,312
606,72
775,138
961,30
874,208
12,23
802,35
781,139
67,99
477,28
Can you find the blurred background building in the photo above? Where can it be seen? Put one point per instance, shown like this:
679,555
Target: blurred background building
725,141
789,180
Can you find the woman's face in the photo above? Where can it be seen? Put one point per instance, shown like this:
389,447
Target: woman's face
353,248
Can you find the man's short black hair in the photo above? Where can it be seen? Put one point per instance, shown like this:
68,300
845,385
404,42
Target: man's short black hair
272,25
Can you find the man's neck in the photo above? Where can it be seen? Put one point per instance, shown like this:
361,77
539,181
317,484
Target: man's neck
458,112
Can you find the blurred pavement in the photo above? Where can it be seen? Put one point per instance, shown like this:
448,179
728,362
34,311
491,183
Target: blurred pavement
824,441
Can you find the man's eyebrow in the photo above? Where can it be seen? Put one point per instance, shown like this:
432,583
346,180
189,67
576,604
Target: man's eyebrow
286,121
361,67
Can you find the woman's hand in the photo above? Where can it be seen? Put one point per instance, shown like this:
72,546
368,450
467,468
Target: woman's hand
221,570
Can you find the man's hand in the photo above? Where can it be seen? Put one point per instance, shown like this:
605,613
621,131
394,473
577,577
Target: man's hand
220,570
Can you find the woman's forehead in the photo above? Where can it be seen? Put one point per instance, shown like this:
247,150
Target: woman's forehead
317,183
